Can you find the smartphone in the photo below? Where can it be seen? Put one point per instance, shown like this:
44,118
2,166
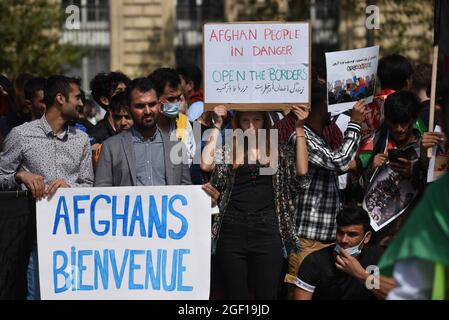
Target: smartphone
408,153
393,155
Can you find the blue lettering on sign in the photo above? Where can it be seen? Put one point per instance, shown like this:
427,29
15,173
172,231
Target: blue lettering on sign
124,218
151,267
153,273
102,268
117,216
137,216
133,266
118,277
77,211
105,223
62,206
81,268
60,271
154,220
184,223
181,269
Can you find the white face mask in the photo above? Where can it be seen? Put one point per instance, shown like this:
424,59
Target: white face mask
171,110
352,251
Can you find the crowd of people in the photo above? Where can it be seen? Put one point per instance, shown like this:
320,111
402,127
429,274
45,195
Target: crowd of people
302,231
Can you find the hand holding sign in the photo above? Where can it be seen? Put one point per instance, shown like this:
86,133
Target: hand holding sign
54,186
220,113
403,166
359,112
212,192
35,183
431,139
301,112
379,160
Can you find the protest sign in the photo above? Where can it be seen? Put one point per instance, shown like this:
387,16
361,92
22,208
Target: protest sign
389,194
125,243
256,66
351,76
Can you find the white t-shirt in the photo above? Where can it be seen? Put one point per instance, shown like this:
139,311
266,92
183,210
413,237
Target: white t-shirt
414,280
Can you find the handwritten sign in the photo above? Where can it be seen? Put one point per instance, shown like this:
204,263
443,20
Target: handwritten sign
125,243
351,76
256,64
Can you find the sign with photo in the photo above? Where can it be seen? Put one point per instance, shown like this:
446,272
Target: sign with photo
351,76
389,194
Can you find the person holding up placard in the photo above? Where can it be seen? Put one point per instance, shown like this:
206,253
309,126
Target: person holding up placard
255,228
48,153
395,176
321,201
418,258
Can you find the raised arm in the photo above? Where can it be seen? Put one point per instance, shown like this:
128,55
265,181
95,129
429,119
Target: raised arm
340,160
302,155
208,154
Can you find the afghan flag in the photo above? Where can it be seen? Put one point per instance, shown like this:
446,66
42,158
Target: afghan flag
425,236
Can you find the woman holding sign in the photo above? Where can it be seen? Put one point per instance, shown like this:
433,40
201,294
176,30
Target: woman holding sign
257,180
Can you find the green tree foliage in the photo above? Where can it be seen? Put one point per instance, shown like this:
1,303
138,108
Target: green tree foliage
406,26
30,32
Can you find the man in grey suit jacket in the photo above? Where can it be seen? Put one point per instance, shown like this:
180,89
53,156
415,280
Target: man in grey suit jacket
140,156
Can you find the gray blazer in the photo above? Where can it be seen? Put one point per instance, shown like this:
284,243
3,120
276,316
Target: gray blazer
116,164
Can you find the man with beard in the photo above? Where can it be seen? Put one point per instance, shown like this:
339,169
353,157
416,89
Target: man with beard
141,156
48,153
34,97
146,157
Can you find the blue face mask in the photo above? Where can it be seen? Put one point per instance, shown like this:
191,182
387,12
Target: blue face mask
352,251
171,110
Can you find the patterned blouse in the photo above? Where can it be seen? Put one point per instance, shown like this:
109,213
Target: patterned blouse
286,184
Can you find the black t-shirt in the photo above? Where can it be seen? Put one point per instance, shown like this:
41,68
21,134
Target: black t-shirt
319,274
252,192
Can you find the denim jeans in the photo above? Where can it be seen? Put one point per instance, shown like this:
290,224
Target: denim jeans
33,276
